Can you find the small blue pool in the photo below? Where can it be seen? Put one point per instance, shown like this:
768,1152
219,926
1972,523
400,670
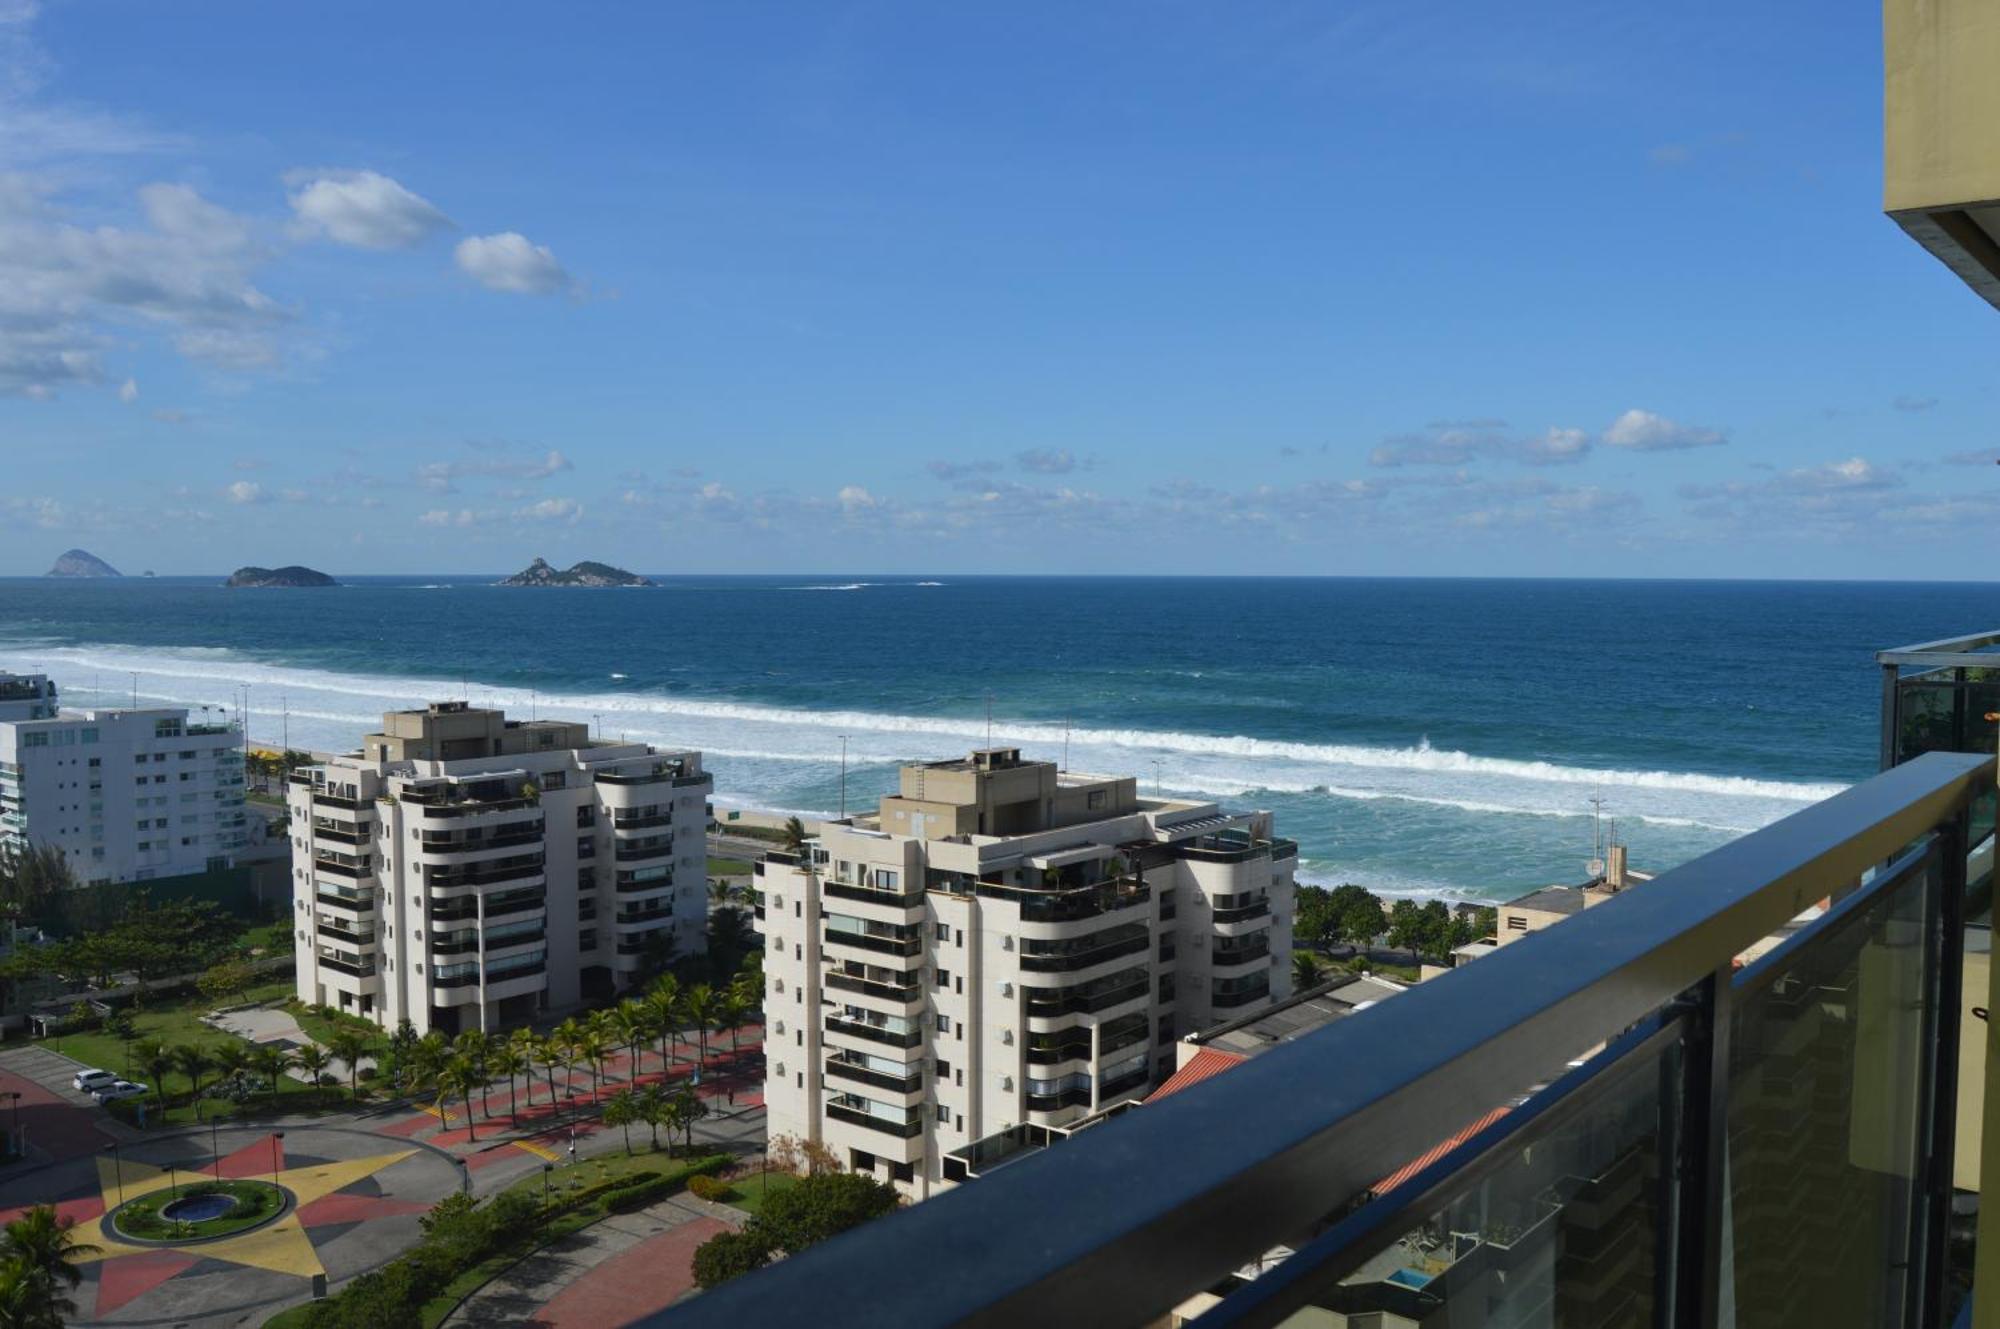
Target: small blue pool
197,1208
1409,1278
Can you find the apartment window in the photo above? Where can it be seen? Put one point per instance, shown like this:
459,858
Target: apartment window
943,1115
586,816
943,1071
555,779
1166,1030
1166,987
586,847
944,1024
943,979
34,740
90,736
944,932
1094,800
885,880
860,1160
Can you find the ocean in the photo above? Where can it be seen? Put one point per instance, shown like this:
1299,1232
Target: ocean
1420,737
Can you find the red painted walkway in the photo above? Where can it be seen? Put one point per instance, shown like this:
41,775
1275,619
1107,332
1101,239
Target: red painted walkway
649,1277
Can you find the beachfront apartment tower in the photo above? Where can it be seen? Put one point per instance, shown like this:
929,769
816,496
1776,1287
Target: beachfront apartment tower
1005,944
125,795
467,871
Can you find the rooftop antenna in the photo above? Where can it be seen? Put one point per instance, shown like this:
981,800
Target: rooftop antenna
989,719
1596,864
1065,764
1156,776
843,777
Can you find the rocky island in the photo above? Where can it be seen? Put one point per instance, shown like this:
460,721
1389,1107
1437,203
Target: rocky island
82,563
586,573
291,576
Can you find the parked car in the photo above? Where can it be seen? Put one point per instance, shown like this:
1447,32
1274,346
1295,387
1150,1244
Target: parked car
118,1089
91,1080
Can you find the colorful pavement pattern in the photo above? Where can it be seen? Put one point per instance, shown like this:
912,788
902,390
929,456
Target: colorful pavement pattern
360,1186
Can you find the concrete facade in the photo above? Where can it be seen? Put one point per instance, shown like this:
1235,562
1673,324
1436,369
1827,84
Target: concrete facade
1005,944
469,871
125,795
1940,154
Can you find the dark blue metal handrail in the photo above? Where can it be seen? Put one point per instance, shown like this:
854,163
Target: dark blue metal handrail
1122,1223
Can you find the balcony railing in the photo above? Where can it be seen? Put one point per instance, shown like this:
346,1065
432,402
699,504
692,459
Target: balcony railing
867,942
899,1084
897,899
902,992
900,1038
1222,958
1258,908
1769,1144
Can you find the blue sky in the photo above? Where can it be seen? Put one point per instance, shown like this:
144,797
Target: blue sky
1539,289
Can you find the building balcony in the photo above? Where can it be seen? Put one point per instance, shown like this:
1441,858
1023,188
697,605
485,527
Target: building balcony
903,994
1085,953
885,945
341,833
476,807
644,822
907,1127
1243,913
1092,998
354,902
874,1033
1228,998
1223,959
631,884
839,1069
441,845
455,943
484,874
340,869
345,804
340,930
1069,904
841,890
628,852
353,966
1612,1121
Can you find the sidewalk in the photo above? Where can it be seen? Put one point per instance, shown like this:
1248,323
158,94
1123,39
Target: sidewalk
637,1263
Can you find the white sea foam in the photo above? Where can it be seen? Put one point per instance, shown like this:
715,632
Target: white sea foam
775,753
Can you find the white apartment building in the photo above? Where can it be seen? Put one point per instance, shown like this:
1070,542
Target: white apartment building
1005,945
467,871
126,795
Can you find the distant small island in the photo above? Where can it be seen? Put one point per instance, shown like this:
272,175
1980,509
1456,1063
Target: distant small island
82,563
291,576
586,573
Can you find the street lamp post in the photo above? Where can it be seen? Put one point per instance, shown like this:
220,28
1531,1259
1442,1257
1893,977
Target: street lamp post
548,1170
277,1137
173,1183
118,1171
215,1145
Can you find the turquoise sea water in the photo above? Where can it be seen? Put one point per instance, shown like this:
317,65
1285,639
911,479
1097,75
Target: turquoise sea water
1415,736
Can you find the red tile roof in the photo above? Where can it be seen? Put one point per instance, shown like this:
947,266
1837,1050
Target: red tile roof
1204,1063
1432,1154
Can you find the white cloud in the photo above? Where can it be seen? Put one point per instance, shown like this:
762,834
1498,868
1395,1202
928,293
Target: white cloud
1556,447
854,499
441,476
553,509
246,491
509,262
363,209
1046,461
1643,431
445,517
128,391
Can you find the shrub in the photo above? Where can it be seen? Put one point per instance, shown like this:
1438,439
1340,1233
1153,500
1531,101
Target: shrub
707,1188
728,1255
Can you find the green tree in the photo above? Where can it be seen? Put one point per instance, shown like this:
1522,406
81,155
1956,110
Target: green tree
507,1061
795,836
33,878
526,1045
701,1008
664,1004
269,1062
1434,930
350,1046
476,1045
1314,920
820,1207
621,1110
728,1255
592,1047
154,1060
629,1022
193,1061
313,1060
1358,914
224,979
230,1056
459,1077
652,1105
39,1253
1406,925
1305,970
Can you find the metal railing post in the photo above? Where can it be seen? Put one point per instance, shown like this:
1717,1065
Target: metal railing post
1931,1238
1702,1162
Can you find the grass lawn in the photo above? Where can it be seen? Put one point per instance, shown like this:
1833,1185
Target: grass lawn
748,1191
607,1167
319,1027
728,867
174,1023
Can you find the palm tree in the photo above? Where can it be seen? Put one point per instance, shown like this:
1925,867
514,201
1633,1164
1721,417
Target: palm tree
459,1076
549,1052
590,1045
652,1104
191,1059
428,1055
155,1059
729,1013
508,1061
1305,970
42,1250
313,1060
622,1109
528,1047
475,1045
632,1024
663,1002
564,1040
702,1007
795,836
230,1058
270,1062
350,1046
